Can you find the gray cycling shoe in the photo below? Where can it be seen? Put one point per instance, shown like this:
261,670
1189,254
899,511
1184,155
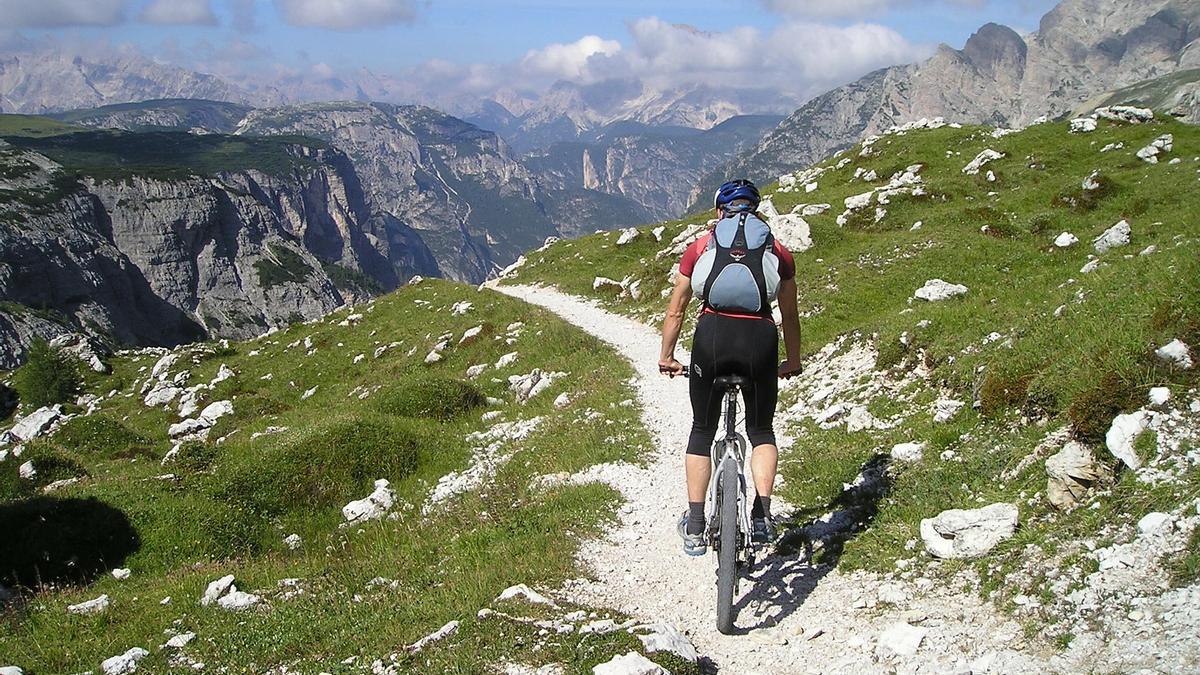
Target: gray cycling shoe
762,530
693,544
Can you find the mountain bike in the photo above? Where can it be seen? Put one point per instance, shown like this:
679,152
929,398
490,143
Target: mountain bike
729,531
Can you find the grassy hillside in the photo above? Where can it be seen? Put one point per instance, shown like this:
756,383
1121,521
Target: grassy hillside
1036,344
313,426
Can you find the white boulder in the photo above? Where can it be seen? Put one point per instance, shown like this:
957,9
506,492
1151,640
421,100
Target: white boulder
91,607
1070,473
861,201
908,452
793,232
523,592
936,290
180,641
11,670
223,373
27,471
371,507
37,422
527,386
1176,354
1154,523
440,634
461,308
215,411
1123,434
901,639
506,360
1125,113
959,533
663,637
292,541
1066,240
187,429
632,663
945,410
981,160
121,573
1083,125
236,601
123,664
1113,237
1159,397
216,589
627,236
162,394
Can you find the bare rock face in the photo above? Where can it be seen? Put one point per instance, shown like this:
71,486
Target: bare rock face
1082,49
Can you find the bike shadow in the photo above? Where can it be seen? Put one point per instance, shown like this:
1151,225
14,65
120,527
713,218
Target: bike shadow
810,549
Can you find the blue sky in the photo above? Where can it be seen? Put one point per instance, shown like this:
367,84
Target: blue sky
801,44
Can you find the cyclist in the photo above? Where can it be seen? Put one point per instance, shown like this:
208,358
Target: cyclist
736,269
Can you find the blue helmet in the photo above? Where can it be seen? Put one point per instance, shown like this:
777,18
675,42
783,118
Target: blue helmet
737,189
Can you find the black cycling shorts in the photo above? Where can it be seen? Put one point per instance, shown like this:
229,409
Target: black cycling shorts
726,345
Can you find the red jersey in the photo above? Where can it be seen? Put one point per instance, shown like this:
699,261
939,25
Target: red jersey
687,265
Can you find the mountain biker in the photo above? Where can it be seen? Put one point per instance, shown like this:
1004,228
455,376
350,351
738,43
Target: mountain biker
731,339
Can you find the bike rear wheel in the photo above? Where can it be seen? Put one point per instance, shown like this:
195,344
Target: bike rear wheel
727,508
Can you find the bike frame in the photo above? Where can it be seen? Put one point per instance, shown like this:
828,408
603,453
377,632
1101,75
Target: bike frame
720,456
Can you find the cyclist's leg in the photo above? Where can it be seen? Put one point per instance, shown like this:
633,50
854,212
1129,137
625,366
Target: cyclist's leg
761,398
705,415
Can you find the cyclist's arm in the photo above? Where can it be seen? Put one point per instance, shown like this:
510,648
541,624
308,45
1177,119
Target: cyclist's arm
790,319
673,324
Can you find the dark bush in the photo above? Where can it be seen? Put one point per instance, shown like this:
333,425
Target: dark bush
432,397
102,436
48,377
1083,201
1042,223
50,462
196,456
1001,391
1092,411
327,466
8,401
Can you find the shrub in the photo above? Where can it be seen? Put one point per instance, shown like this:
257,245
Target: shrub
431,397
1083,201
50,462
1092,411
48,377
100,435
327,466
196,456
1001,391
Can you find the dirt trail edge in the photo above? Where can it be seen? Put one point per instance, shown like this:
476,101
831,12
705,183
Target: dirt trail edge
793,617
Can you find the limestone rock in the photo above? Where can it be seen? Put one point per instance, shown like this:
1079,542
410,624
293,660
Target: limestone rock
37,422
1176,354
27,471
527,386
236,601
123,664
632,663
936,290
627,236
1083,125
1113,237
162,394
440,634
523,592
1121,436
981,160
901,639
1066,240
372,507
1159,397
664,637
945,410
82,348
216,589
292,541
1071,472
1154,523
215,411
968,533
908,452
91,607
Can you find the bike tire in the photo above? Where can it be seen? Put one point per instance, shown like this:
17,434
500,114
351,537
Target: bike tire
727,508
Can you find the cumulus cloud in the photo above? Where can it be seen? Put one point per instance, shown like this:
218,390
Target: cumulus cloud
847,8
60,13
345,14
568,61
179,12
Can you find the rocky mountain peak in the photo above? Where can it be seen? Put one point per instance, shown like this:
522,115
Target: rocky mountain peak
994,49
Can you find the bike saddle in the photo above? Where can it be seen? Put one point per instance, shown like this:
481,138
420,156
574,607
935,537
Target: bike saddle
727,382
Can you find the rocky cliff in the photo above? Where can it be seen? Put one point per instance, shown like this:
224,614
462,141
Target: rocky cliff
1082,48
160,256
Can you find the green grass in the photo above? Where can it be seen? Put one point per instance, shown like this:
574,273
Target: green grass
34,126
230,502
1080,368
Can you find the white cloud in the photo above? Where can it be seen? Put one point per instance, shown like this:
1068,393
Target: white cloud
568,61
59,13
849,8
179,12
345,14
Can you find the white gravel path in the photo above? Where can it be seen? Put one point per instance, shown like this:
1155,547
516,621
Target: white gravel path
793,616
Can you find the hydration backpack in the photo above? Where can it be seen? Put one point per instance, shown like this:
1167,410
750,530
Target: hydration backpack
738,272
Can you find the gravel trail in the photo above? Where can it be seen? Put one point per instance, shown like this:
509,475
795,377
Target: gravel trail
792,616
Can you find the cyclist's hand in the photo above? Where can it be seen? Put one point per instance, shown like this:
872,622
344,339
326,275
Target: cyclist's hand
670,367
789,369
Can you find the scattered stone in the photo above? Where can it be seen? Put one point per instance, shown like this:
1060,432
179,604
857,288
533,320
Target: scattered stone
80,347
236,601
606,284
627,236
440,634
527,386
632,663
223,373
292,541
371,507
936,290
11,670
525,593
506,360
215,411
663,637
187,429
901,639
124,664
461,308
861,201
971,533
1161,145
981,160
1125,113
1083,125
37,422
1154,523
1066,240
1113,237
216,589
908,452
1071,472
476,370
433,356
1091,266
1121,436
180,641
27,471
91,607
658,232
121,573
562,401
470,335
309,393
1176,354
946,409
